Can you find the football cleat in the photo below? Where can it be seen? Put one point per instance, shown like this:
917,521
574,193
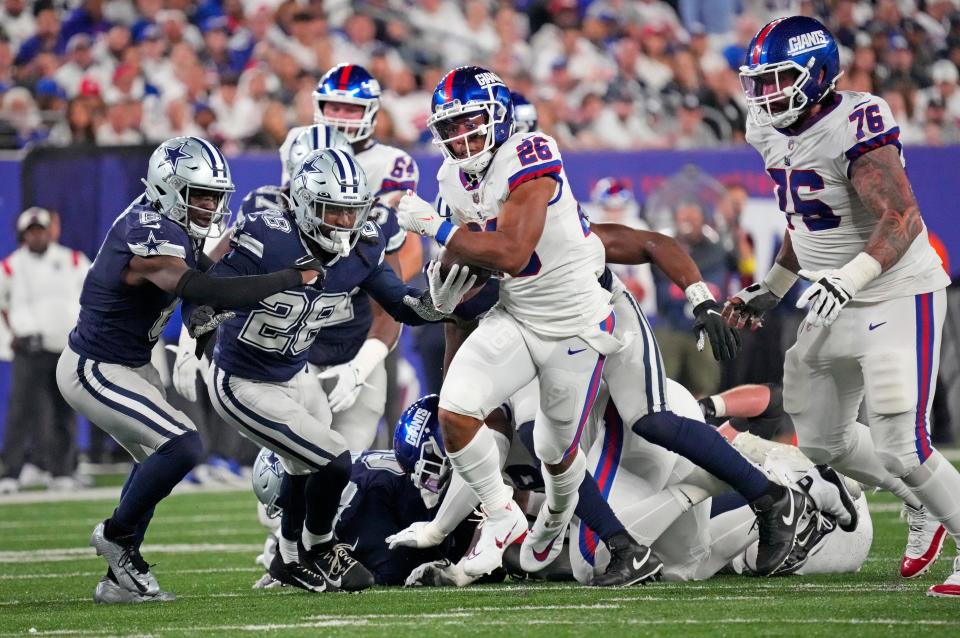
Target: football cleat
108,592
544,541
339,567
298,574
924,542
630,563
126,563
267,582
813,529
498,530
777,522
950,588
837,501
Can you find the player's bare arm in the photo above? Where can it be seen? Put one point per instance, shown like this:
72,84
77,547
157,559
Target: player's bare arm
883,187
519,226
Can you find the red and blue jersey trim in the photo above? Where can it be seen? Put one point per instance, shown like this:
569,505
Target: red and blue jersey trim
390,185
858,150
552,169
605,473
925,355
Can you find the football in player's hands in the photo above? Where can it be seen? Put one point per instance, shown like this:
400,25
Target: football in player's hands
447,259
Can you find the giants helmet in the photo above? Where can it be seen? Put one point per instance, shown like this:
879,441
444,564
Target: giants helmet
471,101
792,64
348,84
182,164
419,447
524,114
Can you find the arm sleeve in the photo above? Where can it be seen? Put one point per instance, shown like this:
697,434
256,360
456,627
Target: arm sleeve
234,292
388,290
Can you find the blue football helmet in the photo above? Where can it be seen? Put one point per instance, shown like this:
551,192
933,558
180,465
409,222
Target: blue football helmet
614,193
524,114
792,64
470,103
419,447
348,84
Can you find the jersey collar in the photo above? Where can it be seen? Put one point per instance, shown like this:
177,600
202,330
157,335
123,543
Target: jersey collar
828,108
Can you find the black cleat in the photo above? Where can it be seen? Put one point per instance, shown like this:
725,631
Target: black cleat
630,563
779,512
298,574
815,527
338,566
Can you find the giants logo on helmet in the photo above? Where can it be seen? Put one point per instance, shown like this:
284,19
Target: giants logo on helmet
488,79
806,42
415,431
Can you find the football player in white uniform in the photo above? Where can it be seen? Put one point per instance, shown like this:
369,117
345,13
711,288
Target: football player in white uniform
552,308
877,301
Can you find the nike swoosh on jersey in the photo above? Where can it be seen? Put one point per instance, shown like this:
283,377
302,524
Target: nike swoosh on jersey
572,351
877,325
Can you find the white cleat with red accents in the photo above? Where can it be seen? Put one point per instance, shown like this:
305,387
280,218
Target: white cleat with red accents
924,543
544,542
950,587
498,530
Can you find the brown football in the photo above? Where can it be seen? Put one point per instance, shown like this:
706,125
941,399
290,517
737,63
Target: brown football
447,260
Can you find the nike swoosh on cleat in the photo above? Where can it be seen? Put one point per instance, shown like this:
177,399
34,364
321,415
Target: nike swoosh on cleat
500,542
542,556
637,565
308,585
788,520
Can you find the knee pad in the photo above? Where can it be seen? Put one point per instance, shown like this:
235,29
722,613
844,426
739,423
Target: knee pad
890,379
558,400
899,463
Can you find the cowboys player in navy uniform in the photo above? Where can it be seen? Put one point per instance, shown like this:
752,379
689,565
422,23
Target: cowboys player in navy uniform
260,382
149,260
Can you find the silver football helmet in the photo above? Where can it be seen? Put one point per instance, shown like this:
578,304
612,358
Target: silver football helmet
313,138
331,200
178,169
267,477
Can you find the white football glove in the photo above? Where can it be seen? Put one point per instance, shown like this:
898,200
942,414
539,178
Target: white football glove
447,292
833,289
417,215
439,573
418,535
186,366
352,376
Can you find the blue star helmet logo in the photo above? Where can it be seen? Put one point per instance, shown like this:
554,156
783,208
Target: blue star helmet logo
308,167
272,465
153,244
173,155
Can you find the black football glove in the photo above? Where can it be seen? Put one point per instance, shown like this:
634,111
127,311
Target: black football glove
724,340
202,325
309,262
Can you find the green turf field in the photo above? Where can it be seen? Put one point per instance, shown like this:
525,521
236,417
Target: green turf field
203,546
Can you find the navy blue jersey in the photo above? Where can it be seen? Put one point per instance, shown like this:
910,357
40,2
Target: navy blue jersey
120,323
379,501
270,341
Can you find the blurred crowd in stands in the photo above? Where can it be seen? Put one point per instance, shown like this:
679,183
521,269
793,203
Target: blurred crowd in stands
604,74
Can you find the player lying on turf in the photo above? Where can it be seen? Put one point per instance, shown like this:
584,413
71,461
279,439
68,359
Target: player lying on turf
260,383
877,301
758,409
149,260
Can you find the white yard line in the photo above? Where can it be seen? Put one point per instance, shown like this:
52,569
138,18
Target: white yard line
73,553
109,493
99,572
160,521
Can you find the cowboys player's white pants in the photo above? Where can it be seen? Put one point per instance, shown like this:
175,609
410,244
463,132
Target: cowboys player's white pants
291,418
502,356
127,403
635,375
358,424
887,352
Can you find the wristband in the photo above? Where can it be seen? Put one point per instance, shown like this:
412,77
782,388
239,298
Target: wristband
444,232
861,270
780,280
698,293
371,353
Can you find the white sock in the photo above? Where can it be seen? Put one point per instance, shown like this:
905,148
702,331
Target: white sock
937,484
863,464
478,463
562,489
288,550
311,540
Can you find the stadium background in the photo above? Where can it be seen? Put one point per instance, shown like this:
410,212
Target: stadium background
640,90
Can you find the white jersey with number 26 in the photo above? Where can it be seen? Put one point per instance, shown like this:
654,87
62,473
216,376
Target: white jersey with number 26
827,222
557,294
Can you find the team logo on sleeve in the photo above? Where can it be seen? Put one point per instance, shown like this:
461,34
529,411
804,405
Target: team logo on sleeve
806,42
152,245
